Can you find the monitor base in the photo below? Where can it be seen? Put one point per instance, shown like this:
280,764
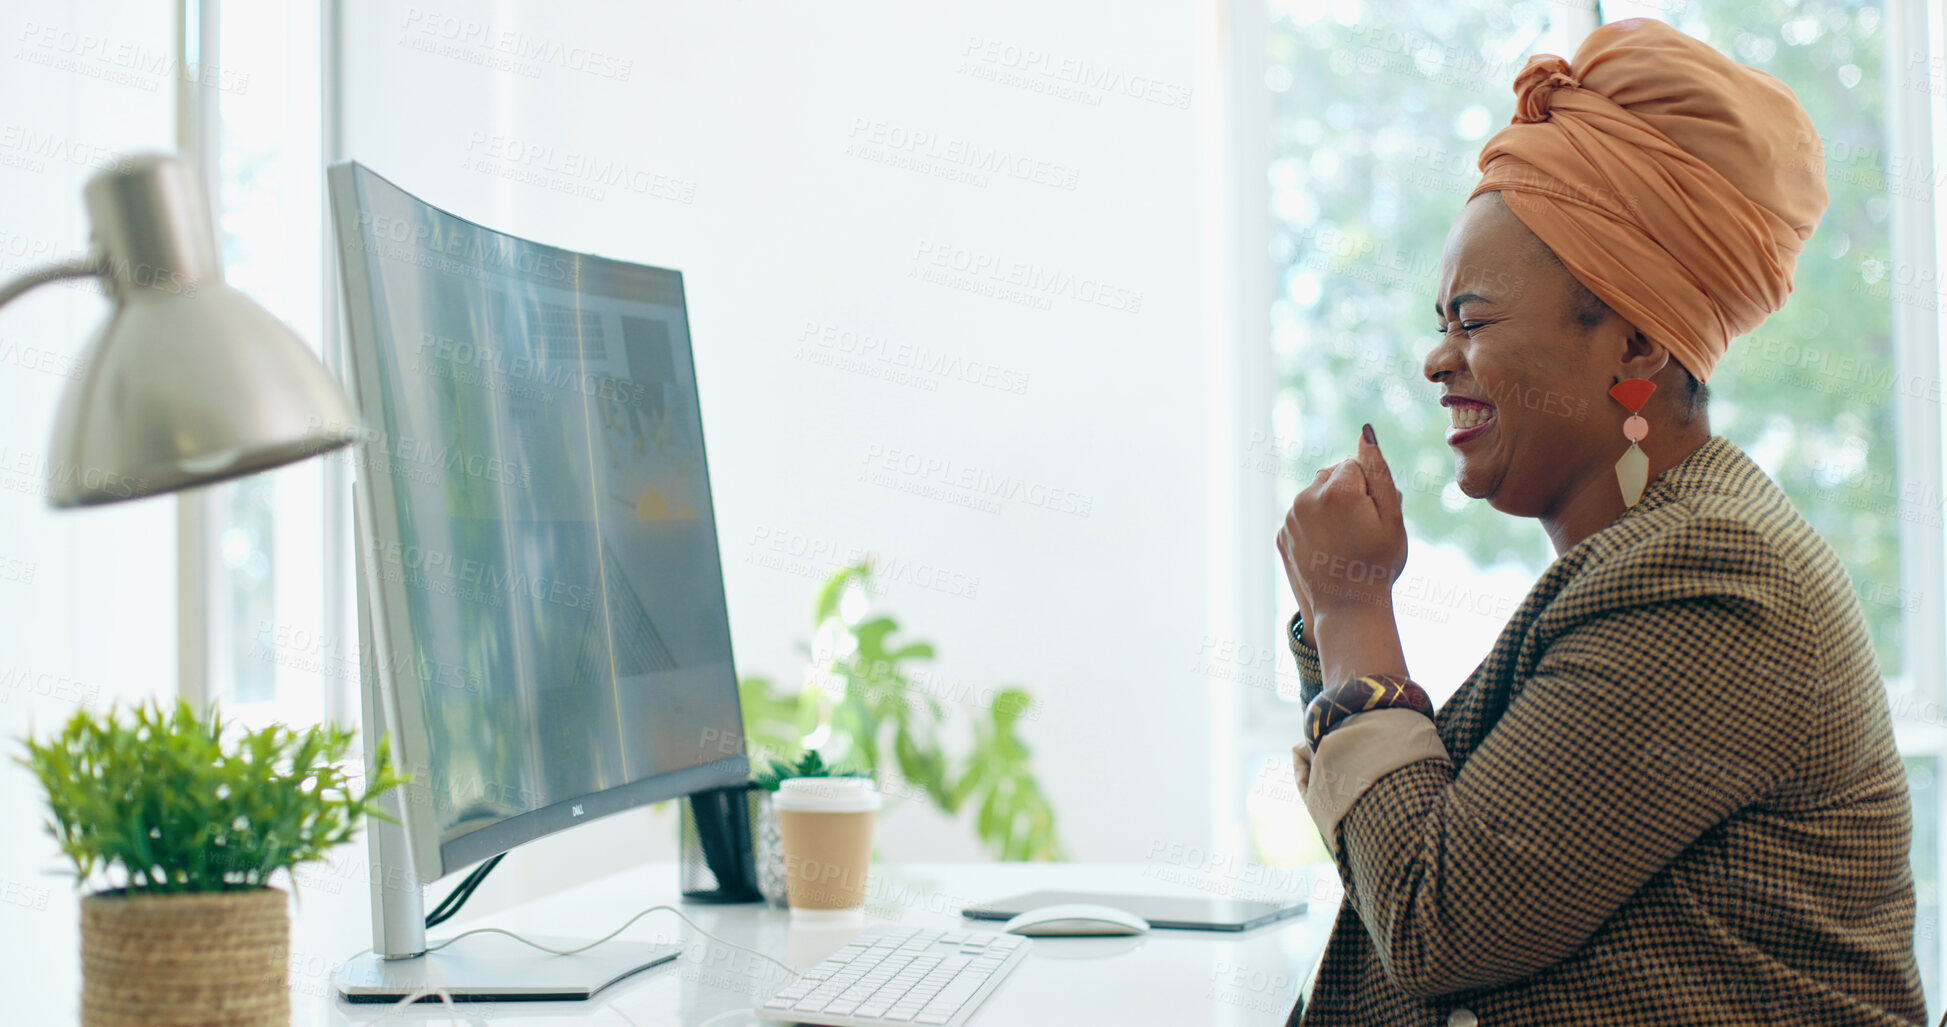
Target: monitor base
496,968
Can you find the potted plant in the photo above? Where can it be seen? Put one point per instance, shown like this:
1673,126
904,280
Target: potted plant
871,704
178,830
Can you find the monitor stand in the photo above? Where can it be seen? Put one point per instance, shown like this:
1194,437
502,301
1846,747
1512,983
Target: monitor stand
475,968
478,968
496,968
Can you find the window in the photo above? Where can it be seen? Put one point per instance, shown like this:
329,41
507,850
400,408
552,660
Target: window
1830,395
255,112
1377,114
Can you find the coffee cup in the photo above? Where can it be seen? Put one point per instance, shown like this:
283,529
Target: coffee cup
826,824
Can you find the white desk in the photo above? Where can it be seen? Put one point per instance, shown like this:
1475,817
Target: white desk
1163,977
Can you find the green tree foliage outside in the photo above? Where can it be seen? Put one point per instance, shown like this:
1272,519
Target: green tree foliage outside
1377,125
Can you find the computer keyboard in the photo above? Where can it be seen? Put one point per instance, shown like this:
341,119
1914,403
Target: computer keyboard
900,975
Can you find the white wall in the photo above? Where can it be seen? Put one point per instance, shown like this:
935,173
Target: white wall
87,600
746,121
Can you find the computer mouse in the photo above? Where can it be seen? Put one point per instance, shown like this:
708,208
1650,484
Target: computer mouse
1076,918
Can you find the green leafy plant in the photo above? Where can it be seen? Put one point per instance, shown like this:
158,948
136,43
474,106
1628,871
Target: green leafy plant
866,708
809,765
157,800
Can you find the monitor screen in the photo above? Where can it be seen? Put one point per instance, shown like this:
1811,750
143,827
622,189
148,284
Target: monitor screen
537,537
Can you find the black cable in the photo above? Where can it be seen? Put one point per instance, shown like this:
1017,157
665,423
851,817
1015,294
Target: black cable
446,907
460,895
461,892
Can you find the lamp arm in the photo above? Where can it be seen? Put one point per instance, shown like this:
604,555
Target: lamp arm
89,266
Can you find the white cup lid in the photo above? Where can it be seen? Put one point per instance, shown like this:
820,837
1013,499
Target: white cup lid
827,795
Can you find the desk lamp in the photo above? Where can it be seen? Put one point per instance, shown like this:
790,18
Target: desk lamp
191,382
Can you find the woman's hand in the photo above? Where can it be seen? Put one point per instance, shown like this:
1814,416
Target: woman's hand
1344,540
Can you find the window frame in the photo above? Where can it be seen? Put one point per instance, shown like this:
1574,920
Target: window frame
305,506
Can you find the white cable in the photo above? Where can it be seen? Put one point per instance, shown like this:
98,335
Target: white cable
447,999
415,995
610,935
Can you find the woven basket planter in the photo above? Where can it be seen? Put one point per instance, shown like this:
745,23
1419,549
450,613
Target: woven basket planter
187,958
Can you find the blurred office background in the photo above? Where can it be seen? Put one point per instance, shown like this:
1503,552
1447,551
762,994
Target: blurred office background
1049,306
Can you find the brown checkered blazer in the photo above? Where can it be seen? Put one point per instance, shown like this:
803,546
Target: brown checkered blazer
1673,796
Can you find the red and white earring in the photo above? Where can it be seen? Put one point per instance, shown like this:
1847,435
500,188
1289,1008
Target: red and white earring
1633,470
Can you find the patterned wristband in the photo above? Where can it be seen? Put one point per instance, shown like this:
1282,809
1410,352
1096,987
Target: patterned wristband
1371,692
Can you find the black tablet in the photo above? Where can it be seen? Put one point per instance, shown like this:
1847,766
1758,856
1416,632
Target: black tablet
1180,912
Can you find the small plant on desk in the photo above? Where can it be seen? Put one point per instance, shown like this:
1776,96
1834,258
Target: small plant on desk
179,830
809,765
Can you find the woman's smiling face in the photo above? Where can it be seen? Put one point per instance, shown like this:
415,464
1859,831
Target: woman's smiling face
1522,374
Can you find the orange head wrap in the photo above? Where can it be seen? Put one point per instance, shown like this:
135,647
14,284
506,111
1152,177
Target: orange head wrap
1676,184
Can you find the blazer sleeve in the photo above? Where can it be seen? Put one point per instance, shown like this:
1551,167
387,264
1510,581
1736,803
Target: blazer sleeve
1676,692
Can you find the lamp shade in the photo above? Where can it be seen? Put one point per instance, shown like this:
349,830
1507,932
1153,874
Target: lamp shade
190,382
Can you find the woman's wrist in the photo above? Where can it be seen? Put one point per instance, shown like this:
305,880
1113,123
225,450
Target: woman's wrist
1357,640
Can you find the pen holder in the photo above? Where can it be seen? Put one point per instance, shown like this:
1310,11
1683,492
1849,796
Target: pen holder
732,849
717,860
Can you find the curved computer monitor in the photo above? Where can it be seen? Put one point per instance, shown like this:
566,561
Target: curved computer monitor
538,549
